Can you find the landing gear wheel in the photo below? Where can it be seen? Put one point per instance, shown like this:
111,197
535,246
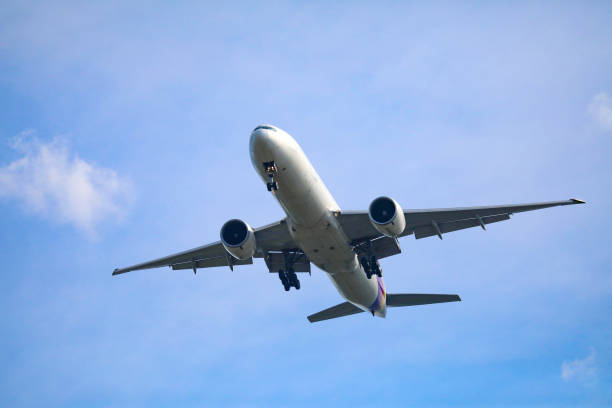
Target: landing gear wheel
287,275
273,185
292,278
283,278
288,279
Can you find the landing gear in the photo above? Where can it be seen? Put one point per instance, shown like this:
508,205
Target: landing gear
371,266
294,280
367,258
375,267
289,279
283,278
271,170
287,275
366,267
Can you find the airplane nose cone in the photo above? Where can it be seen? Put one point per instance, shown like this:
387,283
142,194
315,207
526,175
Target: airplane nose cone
262,137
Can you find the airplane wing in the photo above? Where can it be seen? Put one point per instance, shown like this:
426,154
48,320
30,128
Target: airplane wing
273,237
435,222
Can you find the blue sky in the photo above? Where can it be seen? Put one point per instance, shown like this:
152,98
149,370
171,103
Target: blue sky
124,136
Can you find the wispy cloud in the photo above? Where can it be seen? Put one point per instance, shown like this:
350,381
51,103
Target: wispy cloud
51,181
580,369
600,110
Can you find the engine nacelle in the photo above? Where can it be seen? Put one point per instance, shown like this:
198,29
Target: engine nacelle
238,238
387,216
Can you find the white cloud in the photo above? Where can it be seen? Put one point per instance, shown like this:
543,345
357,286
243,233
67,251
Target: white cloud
584,370
600,110
50,181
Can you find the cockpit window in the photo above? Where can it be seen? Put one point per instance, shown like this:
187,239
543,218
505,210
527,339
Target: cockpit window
264,127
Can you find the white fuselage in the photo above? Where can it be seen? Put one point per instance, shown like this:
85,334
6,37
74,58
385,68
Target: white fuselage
311,219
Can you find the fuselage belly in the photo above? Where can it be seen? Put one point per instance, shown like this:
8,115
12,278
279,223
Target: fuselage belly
310,210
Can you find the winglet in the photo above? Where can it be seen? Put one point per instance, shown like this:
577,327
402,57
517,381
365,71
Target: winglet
577,201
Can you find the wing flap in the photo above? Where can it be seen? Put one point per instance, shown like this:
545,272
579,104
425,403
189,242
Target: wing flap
343,309
211,263
425,231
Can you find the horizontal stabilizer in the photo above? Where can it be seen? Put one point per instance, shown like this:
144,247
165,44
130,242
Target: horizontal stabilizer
415,299
343,309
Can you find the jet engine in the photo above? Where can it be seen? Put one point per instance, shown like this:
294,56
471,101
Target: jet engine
387,216
238,239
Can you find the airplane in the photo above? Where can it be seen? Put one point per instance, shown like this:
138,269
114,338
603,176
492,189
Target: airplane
347,245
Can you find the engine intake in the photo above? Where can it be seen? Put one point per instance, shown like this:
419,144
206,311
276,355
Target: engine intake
238,238
387,216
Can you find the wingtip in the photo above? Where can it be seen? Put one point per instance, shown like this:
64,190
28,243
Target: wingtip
577,201
116,271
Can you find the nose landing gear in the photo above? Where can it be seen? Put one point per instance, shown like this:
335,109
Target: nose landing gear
271,170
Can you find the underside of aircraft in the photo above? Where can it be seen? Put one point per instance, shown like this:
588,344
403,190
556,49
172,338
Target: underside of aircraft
346,245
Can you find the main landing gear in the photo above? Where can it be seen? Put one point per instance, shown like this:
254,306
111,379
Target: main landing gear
289,279
271,170
367,259
371,266
287,276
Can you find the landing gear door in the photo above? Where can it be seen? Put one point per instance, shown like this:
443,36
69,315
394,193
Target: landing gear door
384,247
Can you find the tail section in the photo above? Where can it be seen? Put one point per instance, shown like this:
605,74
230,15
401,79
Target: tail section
393,300
343,309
